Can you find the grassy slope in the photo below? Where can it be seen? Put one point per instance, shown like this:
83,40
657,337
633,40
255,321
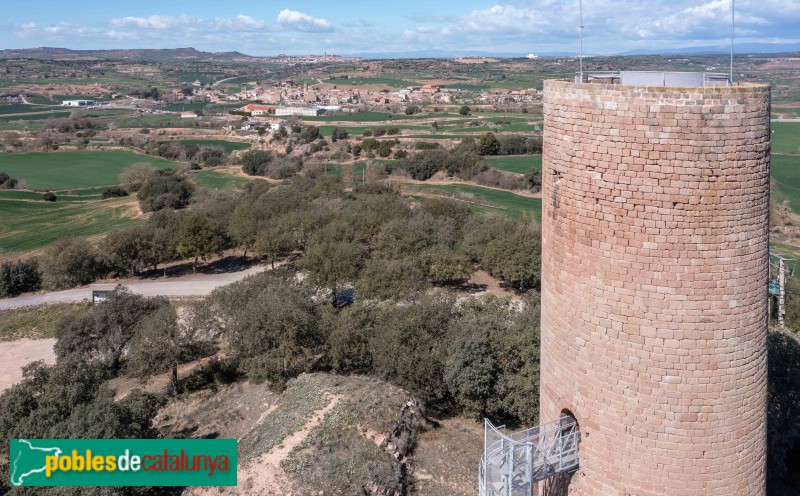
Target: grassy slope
229,146
785,171
60,170
35,322
30,225
786,137
521,164
501,202
212,179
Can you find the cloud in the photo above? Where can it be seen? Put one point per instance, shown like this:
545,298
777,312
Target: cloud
242,23
504,18
519,26
299,21
361,23
58,31
610,25
152,22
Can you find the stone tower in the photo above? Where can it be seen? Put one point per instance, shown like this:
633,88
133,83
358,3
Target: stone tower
654,280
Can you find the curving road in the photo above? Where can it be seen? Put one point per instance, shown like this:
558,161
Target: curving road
173,287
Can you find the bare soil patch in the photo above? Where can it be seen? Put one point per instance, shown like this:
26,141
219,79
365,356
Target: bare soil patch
16,354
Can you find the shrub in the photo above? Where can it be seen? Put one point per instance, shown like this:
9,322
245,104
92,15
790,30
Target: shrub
254,161
426,145
339,133
389,279
783,419
49,196
114,192
166,189
134,176
70,262
272,325
519,145
515,257
489,145
19,277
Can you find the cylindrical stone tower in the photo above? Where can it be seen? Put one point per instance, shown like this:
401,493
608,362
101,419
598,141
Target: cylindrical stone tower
654,284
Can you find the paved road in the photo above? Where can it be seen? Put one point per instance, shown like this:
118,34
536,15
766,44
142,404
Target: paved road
185,286
215,83
785,120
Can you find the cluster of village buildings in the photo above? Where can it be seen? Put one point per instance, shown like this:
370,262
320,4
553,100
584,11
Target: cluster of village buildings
288,98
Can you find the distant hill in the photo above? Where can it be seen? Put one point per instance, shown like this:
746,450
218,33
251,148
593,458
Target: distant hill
143,55
191,54
739,48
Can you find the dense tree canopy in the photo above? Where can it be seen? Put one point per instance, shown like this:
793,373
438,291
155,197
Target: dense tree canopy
165,189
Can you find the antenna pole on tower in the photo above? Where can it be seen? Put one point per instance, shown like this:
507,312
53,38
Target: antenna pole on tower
580,57
733,22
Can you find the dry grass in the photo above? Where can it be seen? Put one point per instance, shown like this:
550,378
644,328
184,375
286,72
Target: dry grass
35,322
445,462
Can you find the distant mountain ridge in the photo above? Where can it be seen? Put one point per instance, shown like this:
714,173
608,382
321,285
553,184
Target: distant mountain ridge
741,48
191,54
143,54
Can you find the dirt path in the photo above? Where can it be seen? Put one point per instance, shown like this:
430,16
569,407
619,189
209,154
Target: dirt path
175,287
16,354
264,475
434,181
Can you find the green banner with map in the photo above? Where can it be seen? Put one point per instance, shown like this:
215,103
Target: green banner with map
123,462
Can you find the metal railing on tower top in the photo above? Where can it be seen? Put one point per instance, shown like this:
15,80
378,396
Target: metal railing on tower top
512,463
655,78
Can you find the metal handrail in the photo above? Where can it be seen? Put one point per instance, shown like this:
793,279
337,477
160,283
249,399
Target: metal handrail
512,463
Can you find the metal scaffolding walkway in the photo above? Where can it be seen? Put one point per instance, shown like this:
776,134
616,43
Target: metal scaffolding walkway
513,463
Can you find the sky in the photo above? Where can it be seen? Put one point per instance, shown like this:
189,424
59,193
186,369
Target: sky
268,27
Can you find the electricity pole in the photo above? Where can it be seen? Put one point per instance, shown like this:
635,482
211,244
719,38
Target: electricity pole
780,290
733,21
781,294
581,43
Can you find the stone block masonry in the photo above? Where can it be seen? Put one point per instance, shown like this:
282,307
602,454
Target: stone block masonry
654,279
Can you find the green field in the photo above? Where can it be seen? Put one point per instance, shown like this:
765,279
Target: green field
787,112
189,106
356,81
786,137
20,108
336,169
229,146
373,117
785,171
486,200
62,170
212,179
788,251
520,164
35,117
30,225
